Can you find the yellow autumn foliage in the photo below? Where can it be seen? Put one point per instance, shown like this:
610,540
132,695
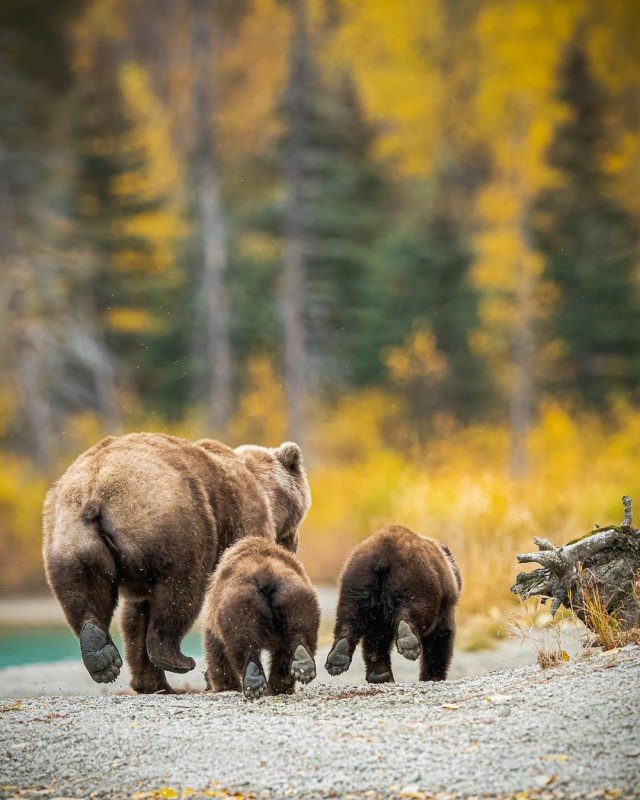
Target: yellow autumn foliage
366,470
22,491
389,48
261,416
133,320
457,488
418,359
160,179
248,114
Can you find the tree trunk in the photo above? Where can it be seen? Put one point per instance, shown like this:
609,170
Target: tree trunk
296,246
521,400
87,345
599,571
28,339
216,313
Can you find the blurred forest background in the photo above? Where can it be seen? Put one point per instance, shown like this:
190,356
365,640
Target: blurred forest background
404,234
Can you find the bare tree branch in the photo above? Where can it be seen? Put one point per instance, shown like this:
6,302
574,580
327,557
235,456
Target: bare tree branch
607,559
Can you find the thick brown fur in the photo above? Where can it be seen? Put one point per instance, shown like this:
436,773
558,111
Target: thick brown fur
398,586
259,598
144,518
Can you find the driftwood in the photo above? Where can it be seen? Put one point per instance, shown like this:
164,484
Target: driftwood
604,564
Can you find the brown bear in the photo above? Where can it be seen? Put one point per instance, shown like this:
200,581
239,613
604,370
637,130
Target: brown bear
260,598
144,518
399,585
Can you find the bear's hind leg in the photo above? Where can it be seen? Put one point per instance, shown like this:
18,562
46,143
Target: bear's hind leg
244,618
302,667
376,647
175,604
407,642
281,681
146,678
221,676
254,681
437,648
287,667
86,586
295,605
349,629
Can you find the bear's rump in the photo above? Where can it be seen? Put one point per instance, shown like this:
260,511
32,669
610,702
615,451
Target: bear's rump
152,518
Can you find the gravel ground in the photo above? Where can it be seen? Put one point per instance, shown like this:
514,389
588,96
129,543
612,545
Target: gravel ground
571,731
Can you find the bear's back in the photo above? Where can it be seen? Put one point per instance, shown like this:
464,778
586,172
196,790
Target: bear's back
409,562
254,558
143,483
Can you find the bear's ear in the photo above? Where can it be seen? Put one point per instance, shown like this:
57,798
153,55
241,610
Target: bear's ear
289,455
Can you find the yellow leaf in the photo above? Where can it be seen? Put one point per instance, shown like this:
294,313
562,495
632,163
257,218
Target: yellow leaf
451,706
17,706
134,320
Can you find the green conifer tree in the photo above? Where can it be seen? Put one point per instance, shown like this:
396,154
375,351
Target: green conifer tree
590,246
121,275
343,192
422,279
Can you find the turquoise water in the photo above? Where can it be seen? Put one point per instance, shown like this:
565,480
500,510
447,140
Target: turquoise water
35,644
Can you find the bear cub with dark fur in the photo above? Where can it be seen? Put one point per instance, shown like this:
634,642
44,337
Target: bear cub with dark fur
397,585
260,598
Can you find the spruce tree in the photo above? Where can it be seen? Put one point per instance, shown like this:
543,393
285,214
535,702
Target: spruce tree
342,191
145,319
590,245
344,210
422,279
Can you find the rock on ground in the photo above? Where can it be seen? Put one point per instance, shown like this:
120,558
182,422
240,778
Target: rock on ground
570,731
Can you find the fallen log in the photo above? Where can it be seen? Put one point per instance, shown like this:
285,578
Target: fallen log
602,567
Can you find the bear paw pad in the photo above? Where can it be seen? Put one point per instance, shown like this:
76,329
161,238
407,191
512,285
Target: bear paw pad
254,683
303,666
338,660
99,654
407,643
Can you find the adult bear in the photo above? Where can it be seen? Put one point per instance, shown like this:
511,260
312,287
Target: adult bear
145,518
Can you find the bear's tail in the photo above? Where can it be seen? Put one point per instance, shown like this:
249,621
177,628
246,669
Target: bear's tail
267,591
380,593
130,560
92,515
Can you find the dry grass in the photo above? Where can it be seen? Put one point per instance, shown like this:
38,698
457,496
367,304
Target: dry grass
536,628
481,632
606,625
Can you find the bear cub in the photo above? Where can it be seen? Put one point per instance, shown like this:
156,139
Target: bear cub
260,598
397,585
